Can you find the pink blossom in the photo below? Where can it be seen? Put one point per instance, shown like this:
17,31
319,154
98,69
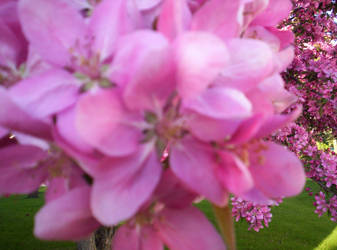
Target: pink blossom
163,223
255,214
20,169
69,197
129,110
147,117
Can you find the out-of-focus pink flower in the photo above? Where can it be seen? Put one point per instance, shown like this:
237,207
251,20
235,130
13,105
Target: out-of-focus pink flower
21,169
170,100
66,214
13,45
164,223
76,57
149,98
148,116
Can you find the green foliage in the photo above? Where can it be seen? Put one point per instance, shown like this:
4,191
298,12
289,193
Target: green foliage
294,227
16,225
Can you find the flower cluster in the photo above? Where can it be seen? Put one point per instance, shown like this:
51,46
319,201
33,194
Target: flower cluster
323,206
320,165
129,110
256,215
312,78
312,75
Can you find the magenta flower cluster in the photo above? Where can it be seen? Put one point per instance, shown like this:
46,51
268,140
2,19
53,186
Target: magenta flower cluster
323,206
256,215
312,75
320,165
312,78
129,110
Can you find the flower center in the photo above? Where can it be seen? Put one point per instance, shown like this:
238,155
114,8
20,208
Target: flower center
165,127
168,126
87,67
11,75
244,151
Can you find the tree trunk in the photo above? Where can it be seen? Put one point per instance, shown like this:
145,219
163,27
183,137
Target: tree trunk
100,240
87,244
103,238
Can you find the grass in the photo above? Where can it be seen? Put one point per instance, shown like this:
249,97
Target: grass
294,226
16,225
330,242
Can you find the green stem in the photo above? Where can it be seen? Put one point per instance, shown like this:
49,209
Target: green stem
224,219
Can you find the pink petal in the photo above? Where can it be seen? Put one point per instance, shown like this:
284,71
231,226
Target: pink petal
14,118
150,239
172,192
46,94
51,37
283,59
274,14
24,139
35,65
247,129
89,161
286,37
260,102
187,229
263,34
147,4
199,126
3,132
174,18
219,108
9,16
221,103
110,20
4,2
6,5
149,15
251,61
127,237
116,135
276,171
146,69
256,196
233,174
223,18
75,176
22,156
8,13
124,187
22,181
19,169
57,187
194,164
66,128
66,218
252,9
272,123
9,46
82,4
132,50
200,57
274,88
134,238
